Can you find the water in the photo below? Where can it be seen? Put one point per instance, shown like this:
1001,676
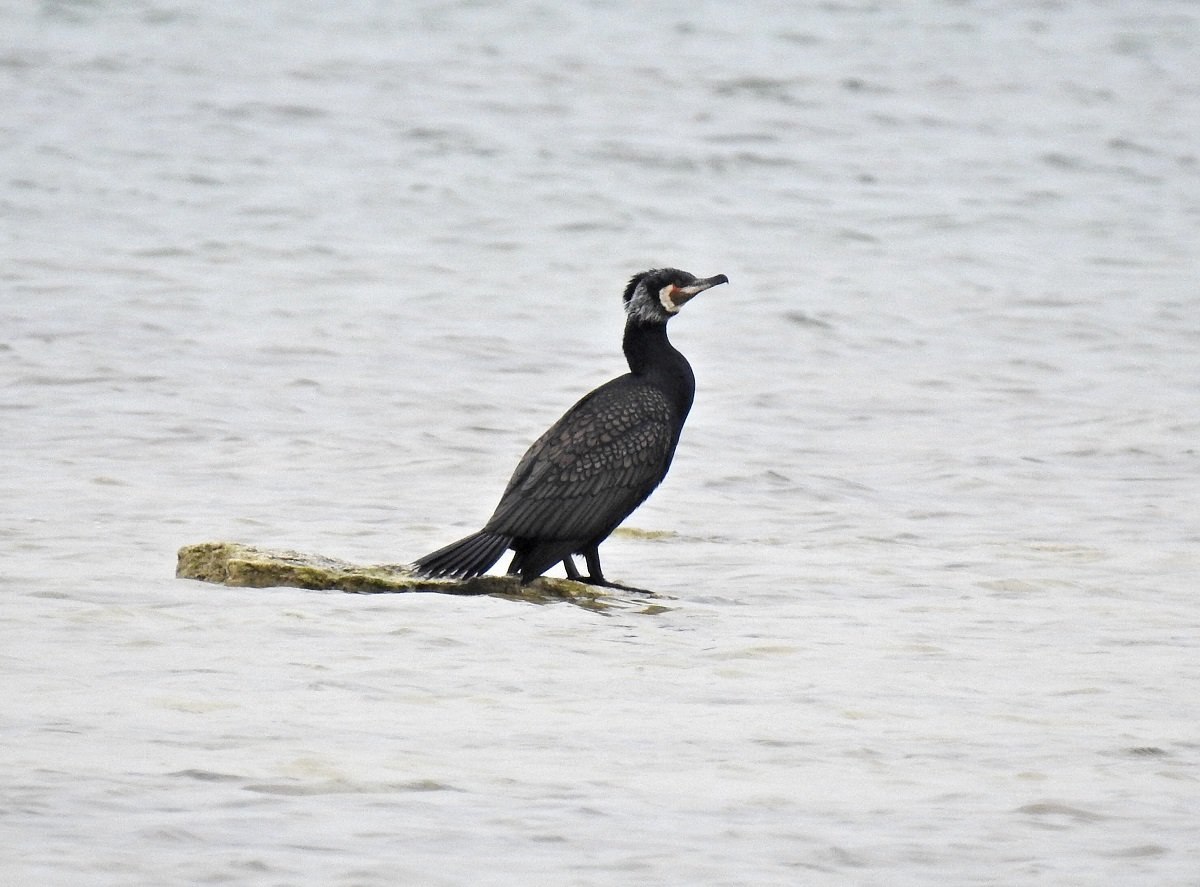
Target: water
314,275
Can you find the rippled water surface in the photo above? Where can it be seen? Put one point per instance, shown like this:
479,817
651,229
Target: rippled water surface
313,275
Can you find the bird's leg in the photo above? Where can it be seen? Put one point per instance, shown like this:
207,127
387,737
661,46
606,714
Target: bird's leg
596,575
572,571
514,568
591,557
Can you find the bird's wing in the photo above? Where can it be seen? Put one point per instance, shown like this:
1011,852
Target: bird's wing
592,467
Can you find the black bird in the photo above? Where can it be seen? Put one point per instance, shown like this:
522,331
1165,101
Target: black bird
601,460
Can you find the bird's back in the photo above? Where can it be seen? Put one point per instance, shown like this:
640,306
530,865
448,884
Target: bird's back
595,465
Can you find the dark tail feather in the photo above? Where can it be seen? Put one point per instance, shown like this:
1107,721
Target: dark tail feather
466,558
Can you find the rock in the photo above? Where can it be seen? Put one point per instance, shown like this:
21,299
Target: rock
244,566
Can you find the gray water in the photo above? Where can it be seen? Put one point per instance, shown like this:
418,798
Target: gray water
313,275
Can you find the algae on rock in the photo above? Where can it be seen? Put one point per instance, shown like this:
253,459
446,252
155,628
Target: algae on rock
234,564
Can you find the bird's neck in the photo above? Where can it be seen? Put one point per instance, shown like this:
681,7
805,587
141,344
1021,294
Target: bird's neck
652,357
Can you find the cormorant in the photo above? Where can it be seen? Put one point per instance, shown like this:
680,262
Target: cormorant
601,460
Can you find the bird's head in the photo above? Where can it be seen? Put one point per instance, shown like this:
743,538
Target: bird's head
656,296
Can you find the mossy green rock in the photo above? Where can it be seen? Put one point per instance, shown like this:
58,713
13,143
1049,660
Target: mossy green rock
244,566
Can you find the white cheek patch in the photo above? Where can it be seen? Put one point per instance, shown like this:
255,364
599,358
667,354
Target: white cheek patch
666,297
